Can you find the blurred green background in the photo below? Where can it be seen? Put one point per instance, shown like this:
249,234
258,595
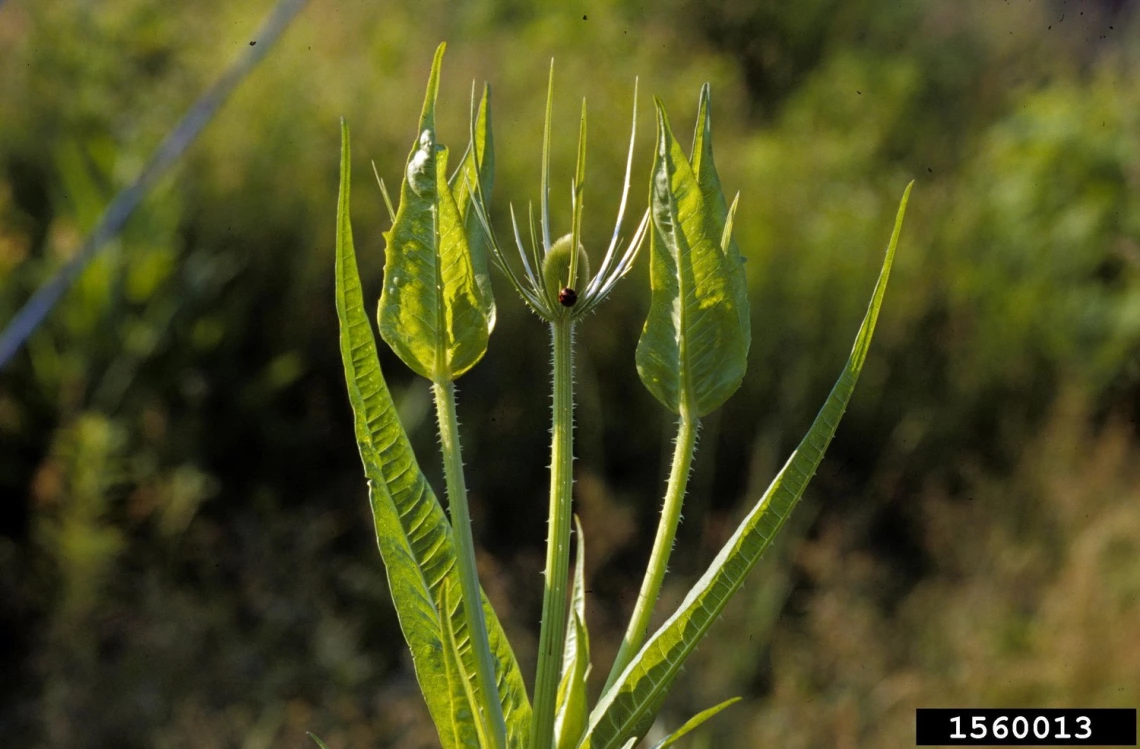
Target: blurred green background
186,555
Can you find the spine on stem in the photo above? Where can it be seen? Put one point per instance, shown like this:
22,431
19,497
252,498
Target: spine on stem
444,393
552,633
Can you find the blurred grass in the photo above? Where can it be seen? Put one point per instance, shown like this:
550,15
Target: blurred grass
184,543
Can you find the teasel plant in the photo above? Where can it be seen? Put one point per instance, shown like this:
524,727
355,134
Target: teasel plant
437,311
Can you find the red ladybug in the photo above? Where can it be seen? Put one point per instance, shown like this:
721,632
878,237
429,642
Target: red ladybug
567,297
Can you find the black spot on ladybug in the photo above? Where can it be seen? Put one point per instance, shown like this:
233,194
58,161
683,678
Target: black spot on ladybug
568,297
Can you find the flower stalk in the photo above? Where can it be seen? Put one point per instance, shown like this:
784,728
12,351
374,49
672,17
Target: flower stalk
444,394
437,312
683,451
552,634
694,346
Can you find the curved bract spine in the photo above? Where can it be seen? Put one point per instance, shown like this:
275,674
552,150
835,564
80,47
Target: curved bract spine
538,289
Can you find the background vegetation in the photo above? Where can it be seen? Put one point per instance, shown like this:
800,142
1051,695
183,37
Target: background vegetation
185,548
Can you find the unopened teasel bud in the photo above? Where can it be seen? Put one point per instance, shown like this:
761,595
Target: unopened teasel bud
556,271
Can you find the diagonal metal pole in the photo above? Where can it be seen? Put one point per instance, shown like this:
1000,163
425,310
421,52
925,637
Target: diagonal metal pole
36,309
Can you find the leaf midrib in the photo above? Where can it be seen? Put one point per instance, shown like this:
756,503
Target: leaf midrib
686,404
442,344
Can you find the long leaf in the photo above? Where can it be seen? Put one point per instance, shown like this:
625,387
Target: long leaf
411,528
693,723
628,709
693,350
572,710
432,310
